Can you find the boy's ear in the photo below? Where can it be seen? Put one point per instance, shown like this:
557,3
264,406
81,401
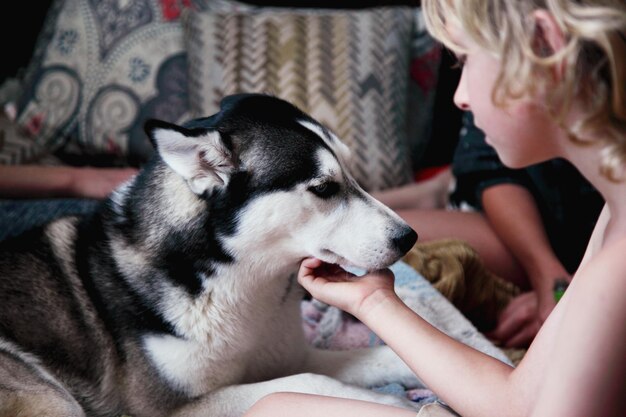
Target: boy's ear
200,156
549,39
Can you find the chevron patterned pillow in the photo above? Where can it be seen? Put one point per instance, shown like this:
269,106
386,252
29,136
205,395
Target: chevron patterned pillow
348,69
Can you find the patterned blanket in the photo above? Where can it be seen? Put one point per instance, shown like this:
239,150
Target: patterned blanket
329,328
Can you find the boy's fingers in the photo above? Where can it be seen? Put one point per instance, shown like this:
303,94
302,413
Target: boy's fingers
311,263
523,337
521,309
508,326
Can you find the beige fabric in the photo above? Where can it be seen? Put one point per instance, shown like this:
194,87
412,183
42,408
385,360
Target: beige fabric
435,410
455,269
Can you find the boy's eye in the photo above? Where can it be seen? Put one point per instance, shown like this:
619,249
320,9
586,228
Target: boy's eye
325,189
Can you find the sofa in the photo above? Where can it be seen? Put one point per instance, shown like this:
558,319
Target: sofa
100,69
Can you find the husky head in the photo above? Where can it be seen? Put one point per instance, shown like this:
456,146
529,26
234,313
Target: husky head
268,182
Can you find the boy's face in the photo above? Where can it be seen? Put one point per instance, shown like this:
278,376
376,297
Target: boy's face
521,132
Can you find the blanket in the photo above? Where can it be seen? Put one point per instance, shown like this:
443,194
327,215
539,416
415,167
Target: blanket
327,327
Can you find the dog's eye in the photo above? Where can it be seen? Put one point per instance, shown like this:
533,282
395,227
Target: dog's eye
325,190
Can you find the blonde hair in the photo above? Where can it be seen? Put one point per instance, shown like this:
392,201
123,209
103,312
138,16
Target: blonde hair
594,57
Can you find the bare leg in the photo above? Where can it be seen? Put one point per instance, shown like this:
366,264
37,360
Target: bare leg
305,405
428,194
234,400
473,228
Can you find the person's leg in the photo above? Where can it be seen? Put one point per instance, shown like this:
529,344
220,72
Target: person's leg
428,194
473,228
287,404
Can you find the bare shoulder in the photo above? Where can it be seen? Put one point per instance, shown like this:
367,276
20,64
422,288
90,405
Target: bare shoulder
590,339
599,290
584,339
607,266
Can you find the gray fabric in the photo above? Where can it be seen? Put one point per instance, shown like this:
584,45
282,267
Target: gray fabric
18,216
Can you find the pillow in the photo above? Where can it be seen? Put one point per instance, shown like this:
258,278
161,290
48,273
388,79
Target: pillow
100,69
15,148
424,64
348,69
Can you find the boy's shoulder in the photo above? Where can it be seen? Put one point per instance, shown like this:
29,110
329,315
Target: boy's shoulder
609,260
602,279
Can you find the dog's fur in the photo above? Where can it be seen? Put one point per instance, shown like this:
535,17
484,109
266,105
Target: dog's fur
178,296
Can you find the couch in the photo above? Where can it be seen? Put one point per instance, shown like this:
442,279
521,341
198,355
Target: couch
98,72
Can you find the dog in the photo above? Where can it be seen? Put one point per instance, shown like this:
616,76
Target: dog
178,296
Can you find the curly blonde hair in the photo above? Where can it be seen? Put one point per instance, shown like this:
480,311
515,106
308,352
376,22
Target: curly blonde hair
594,54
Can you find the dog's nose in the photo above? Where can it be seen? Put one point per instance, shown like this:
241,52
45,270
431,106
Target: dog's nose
406,240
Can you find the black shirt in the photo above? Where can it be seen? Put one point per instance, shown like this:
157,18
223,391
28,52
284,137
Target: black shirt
568,203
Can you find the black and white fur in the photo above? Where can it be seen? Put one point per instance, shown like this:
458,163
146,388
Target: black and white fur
178,296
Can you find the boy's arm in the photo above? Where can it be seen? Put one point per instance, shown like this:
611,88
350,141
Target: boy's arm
24,181
472,383
590,343
513,214
35,181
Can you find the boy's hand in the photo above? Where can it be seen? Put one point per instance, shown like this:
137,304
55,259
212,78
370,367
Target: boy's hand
353,294
520,321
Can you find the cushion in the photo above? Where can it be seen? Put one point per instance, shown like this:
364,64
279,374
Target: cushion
424,64
100,68
347,68
15,147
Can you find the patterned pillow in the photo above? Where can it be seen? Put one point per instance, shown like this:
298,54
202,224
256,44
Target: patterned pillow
15,148
100,68
348,69
424,66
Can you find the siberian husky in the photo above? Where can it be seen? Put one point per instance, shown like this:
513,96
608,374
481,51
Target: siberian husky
178,297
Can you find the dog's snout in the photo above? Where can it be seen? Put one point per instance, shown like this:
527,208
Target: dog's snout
406,240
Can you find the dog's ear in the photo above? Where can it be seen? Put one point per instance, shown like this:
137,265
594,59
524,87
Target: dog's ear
343,151
200,156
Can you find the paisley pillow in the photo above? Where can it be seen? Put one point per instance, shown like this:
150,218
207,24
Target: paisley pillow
100,68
